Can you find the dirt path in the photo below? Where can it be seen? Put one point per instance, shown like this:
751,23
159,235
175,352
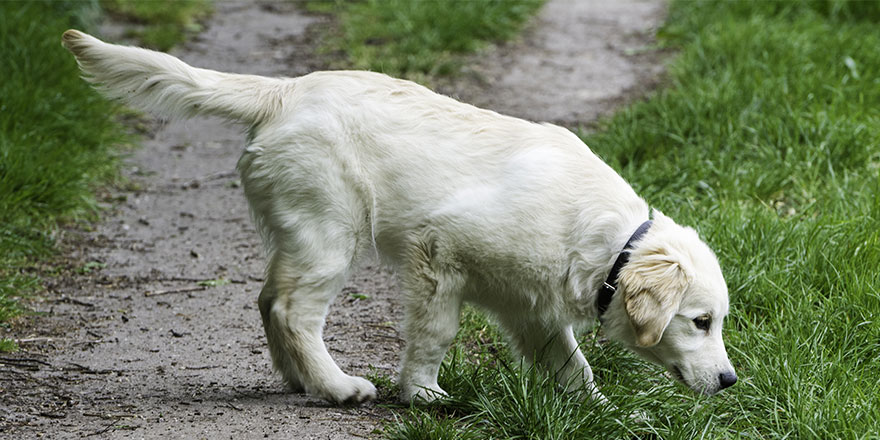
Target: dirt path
108,360
578,60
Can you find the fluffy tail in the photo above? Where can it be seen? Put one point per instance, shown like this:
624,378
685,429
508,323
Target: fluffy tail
163,84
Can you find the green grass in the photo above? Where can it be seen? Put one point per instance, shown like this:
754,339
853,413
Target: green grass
162,24
767,140
412,39
57,139
7,345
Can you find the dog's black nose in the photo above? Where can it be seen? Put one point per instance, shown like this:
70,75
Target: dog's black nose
727,379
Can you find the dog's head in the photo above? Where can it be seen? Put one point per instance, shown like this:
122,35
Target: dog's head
670,306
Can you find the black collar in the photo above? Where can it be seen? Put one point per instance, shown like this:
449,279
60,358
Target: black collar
606,292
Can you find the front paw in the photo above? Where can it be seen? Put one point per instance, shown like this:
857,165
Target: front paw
639,416
422,394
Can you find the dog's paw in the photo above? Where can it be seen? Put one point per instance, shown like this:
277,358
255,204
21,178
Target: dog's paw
294,384
639,416
422,395
350,390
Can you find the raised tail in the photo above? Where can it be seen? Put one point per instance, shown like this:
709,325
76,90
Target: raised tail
163,84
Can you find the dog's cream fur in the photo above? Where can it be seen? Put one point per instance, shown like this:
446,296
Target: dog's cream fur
519,218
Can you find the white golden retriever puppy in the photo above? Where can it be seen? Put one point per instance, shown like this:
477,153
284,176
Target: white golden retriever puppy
465,204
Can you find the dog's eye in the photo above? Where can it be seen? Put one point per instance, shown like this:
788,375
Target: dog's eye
703,322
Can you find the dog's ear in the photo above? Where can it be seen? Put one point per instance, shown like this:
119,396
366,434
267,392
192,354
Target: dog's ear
653,283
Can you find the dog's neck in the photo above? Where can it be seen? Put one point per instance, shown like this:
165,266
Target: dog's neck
609,286
594,247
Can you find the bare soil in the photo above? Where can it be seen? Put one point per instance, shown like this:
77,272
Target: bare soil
135,339
577,61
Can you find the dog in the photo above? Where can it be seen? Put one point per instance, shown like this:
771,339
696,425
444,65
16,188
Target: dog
467,205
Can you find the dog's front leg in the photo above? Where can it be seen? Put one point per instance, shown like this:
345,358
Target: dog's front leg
574,373
557,351
433,303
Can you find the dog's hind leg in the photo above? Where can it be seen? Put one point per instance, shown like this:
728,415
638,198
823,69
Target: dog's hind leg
294,303
282,362
314,227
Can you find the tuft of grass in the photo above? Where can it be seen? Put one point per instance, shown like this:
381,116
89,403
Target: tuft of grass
411,38
162,23
424,424
58,139
767,141
8,345
388,391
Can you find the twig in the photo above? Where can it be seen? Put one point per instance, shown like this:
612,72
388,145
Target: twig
86,370
177,334
106,428
67,299
199,280
51,415
229,404
206,367
97,341
109,416
218,175
179,290
40,339
194,183
23,361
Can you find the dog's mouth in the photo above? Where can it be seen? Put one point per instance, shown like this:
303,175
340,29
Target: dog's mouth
676,373
697,387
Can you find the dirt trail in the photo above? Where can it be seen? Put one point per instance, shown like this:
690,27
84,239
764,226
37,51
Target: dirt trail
106,360
578,60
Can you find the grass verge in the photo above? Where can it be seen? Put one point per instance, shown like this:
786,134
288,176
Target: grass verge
59,139
767,140
415,39
56,139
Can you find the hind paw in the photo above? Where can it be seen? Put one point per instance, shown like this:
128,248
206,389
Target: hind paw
350,390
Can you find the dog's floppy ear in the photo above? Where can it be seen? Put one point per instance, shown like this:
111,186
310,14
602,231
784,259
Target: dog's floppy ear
653,283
